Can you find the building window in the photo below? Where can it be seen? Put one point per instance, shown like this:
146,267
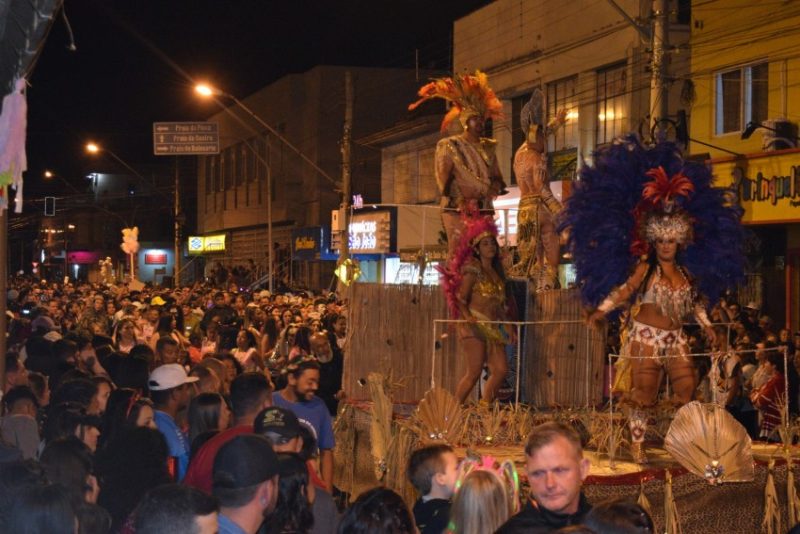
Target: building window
404,186
219,179
741,97
562,94
427,189
208,166
612,103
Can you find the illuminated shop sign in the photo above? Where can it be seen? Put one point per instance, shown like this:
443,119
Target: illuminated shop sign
155,258
767,187
212,243
370,233
306,242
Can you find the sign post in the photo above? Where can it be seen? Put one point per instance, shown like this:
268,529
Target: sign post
185,138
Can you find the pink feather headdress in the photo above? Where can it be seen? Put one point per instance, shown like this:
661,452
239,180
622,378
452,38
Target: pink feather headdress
476,227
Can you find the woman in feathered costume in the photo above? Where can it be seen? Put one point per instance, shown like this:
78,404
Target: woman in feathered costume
467,172
474,284
648,232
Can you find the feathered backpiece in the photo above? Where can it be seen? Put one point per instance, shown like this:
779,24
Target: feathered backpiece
710,443
505,472
627,190
476,227
467,92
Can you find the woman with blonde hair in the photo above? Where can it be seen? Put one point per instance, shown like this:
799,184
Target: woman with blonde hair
487,494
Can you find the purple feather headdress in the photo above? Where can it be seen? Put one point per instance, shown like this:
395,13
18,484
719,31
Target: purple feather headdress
604,215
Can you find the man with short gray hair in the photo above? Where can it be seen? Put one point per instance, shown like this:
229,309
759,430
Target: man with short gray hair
556,470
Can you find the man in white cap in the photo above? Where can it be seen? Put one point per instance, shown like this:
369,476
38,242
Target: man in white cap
169,393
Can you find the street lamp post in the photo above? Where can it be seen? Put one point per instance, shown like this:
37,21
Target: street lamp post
208,91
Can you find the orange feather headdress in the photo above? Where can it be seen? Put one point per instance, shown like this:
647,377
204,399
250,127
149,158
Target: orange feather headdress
469,93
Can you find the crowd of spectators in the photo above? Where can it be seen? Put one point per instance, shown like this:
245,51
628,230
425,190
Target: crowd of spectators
202,410
112,396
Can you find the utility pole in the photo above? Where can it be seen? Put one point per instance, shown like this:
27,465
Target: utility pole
270,259
177,269
344,247
659,90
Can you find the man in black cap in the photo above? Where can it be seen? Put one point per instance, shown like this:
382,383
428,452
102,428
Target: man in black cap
245,483
281,427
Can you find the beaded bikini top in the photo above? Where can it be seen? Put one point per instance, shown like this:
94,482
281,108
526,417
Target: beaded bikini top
675,303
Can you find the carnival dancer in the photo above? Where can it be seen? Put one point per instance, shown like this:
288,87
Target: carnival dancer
648,231
475,286
537,239
466,166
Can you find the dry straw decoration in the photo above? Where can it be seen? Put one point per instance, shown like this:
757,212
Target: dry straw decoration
771,524
643,501
672,521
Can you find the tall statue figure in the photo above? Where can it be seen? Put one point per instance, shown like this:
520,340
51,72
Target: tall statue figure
537,239
466,166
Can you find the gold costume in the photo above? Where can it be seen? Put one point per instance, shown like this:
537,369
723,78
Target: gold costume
487,302
469,183
533,209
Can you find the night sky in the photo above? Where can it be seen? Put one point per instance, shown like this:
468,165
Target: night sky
135,61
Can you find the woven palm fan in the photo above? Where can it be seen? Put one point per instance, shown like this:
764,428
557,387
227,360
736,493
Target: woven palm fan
440,417
709,442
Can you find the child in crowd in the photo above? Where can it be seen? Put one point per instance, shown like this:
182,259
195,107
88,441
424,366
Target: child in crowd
433,471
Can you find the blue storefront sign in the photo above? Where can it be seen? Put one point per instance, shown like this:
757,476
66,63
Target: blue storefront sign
307,243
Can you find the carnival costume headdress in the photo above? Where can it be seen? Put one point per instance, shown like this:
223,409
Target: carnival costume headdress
476,227
505,472
634,195
469,94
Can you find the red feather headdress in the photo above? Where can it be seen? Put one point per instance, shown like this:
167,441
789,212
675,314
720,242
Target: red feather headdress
656,216
467,92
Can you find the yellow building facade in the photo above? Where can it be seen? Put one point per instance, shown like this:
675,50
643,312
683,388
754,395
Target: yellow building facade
744,85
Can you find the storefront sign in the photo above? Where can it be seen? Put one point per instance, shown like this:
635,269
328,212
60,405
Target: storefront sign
766,186
210,243
370,233
155,258
83,257
431,255
306,242
563,165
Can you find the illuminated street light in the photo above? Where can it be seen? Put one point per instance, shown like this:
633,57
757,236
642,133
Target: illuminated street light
48,174
205,90
92,148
